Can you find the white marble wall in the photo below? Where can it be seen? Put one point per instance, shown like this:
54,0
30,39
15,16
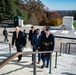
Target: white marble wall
68,22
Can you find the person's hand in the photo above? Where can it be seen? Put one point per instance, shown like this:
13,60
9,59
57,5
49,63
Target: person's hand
38,48
35,47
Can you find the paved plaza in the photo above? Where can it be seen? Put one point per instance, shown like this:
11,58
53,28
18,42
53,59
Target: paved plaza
66,64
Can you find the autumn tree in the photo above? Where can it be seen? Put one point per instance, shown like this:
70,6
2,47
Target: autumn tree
54,19
35,10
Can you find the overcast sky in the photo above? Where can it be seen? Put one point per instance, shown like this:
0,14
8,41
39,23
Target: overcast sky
60,4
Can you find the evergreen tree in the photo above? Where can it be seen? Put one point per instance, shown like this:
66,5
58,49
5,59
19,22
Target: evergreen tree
22,13
2,9
10,9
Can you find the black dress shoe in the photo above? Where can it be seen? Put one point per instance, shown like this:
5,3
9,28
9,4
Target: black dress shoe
42,66
46,66
18,60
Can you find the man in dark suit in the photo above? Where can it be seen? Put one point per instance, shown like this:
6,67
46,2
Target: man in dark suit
44,30
25,37
31,33
36,40
18,39
47,44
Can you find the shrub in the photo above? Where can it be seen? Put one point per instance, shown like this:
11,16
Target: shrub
54,22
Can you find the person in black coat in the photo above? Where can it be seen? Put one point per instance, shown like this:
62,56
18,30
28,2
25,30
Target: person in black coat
17,38
5,33
44,30
47,44
25,38
31,33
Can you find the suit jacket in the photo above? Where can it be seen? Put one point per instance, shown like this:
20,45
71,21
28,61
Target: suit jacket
36,41
31,35
42,32
25,39
19,40
47,44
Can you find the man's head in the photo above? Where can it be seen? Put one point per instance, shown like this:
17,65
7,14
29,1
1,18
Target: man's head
17,29
44,28
24,30
5,28
47,30
37,31
32,27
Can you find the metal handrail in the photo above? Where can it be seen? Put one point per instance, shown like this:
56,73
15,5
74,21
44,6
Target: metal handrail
9,46
4,62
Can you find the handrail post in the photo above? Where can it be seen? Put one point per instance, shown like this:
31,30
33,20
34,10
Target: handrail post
56,60
69,49
60,48
50,62
34,65
66,47
10,48
63,48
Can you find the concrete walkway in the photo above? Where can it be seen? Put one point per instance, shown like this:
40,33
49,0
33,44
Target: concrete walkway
66,65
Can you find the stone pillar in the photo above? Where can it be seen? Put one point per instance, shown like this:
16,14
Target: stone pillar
68,22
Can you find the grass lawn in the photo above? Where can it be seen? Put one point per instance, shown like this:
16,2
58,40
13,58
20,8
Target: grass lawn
74,24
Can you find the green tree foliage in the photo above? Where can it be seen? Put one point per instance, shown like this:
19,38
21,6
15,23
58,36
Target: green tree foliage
22,13
10,9
7,9
2,9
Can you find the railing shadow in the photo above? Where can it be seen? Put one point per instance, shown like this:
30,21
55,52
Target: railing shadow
22,67
67,73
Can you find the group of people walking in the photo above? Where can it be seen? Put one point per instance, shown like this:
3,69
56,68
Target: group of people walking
40,41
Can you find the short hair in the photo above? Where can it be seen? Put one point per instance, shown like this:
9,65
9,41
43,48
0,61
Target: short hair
37,29
24,30
32,27
4,27
47,28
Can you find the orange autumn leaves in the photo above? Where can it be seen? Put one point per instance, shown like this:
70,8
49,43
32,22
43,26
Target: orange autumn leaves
54,19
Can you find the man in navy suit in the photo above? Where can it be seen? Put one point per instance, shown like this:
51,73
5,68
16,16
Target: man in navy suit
17,38
36,41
